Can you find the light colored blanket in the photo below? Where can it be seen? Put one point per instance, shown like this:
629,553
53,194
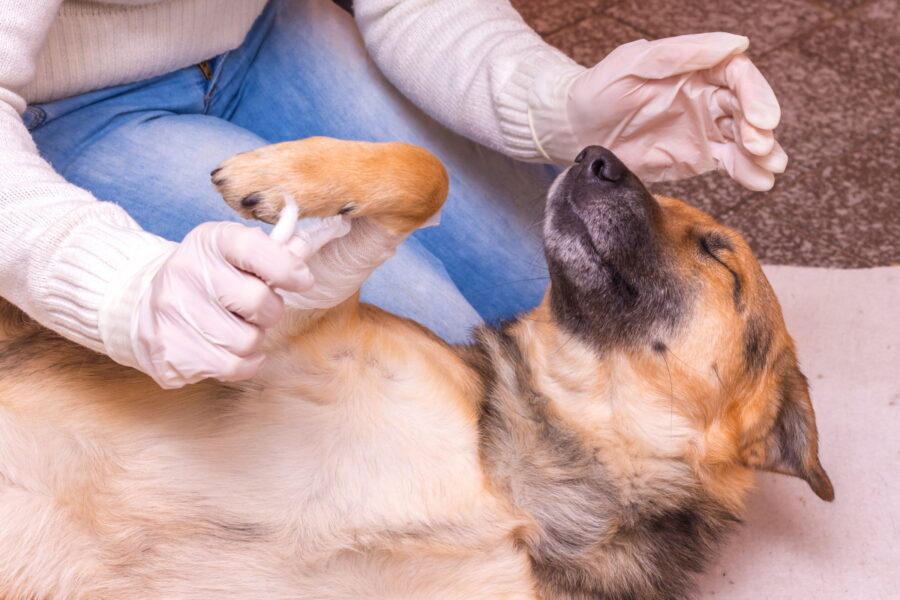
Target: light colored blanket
792,545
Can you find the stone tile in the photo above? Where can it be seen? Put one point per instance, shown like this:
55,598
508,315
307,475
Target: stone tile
768,23
716,193
886,12
547,16
864,46
776,242
824,112
593,38
839,6
853,200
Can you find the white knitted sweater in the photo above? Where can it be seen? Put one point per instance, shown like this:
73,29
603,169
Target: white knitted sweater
77,265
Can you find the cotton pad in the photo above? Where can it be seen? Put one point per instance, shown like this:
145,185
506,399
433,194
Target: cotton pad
315,232
338,268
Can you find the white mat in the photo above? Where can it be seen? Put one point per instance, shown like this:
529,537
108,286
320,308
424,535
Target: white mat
847,328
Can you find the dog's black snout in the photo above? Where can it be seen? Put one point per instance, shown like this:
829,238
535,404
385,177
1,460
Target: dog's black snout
601,164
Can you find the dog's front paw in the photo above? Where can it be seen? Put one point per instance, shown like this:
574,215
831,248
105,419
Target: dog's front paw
399,185
254,183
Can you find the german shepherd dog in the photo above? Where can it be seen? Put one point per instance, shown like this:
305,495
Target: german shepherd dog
596,447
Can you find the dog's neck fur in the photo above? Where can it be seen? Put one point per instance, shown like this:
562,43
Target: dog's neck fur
601,530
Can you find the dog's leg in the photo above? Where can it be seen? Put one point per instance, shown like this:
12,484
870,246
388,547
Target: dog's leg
387,190
397,186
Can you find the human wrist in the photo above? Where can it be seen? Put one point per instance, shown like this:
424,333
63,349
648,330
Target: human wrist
548,105
118,311
532,108
75,261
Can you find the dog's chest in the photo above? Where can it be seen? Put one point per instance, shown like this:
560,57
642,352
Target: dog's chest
396,458
299,492
396,465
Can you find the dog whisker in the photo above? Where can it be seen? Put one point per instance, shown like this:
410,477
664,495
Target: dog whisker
671,387
715,369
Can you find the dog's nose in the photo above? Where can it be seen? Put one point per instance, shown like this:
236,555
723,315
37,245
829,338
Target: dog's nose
600,164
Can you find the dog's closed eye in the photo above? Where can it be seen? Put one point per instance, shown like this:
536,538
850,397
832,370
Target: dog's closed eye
713,245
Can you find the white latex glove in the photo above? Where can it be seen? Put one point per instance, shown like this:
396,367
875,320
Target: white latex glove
669,109
207,307
351,249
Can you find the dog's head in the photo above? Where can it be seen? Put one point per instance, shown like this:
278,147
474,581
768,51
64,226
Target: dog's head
680,304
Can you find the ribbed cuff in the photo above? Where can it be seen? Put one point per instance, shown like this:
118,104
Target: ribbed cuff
532,108
117,314
98,275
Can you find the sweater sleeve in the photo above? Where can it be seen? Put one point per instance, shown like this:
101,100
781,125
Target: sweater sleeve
73,263
474,65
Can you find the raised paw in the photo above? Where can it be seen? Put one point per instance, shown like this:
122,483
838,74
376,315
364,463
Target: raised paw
397,185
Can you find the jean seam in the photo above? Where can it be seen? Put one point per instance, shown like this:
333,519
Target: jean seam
207,98
38,119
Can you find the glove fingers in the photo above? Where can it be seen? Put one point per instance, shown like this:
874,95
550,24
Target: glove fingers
250,250
195,357
310,239
741,167
776,161
681,54
759,142
252,300
755,96
231,333
241,368
178,364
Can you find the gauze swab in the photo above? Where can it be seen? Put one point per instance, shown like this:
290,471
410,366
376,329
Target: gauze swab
340,268
312,233
287,221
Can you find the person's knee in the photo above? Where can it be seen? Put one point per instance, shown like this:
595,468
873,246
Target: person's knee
158,169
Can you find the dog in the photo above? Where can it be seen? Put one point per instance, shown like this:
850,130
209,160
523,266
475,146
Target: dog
597,447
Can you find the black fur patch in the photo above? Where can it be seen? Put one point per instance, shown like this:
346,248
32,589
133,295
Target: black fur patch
235,530
612,281
22,354
711,244
592,543
757,344
790,433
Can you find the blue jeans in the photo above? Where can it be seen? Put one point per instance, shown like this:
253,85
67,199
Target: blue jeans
303,71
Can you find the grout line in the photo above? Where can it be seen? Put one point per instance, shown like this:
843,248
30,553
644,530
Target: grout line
631,25
547,34
826,23
568,24
802,37
603,14
823,7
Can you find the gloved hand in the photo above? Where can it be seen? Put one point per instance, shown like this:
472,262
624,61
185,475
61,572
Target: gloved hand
207,307
669,108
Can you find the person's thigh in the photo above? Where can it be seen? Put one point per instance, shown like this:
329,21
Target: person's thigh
304,71
156,165
144,146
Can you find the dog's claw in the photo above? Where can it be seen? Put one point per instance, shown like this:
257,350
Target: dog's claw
251,200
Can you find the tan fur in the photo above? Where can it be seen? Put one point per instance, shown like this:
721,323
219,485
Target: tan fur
350,466
399,185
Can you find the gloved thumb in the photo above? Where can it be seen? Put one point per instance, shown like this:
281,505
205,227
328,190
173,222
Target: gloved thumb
672,56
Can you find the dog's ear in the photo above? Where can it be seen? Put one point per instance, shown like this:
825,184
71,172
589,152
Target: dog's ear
791,444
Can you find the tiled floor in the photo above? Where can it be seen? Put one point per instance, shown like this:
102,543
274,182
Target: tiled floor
835,65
